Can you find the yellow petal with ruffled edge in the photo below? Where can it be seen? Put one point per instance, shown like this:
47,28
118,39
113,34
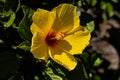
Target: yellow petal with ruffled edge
63,58
78,40
38,47
43,19
66,18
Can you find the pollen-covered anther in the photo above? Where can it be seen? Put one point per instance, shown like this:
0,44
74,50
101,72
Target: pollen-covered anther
60,36
53,39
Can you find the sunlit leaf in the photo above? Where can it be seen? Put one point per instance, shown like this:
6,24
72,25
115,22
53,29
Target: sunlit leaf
86,20
19,5
98,61
60,72
110,10
3,1
103,5
57,69
90,26
5,14
79,3
1,41
115,1
25,46
93,2
10,21
90,75
36,78
52,75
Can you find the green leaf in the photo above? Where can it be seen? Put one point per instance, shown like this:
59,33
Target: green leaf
93,58
96,77
5,14
88,1
85,56
103,5
98,61
79,3
110,10
60,72
3,1
24,25
10,21
115,1
52,75
9,63
86,20
93,2
57,69
90,26
36,78
1,41
19,5
25,46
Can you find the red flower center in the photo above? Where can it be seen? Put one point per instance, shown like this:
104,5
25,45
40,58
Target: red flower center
52,39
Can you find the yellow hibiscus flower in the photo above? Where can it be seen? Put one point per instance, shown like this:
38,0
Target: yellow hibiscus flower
57,34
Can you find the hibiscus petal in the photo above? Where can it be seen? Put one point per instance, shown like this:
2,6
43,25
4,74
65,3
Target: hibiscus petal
43,19
34,28
78,40
66,18
63,58
38,47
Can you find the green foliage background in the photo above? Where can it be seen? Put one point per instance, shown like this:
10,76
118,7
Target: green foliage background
16,61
